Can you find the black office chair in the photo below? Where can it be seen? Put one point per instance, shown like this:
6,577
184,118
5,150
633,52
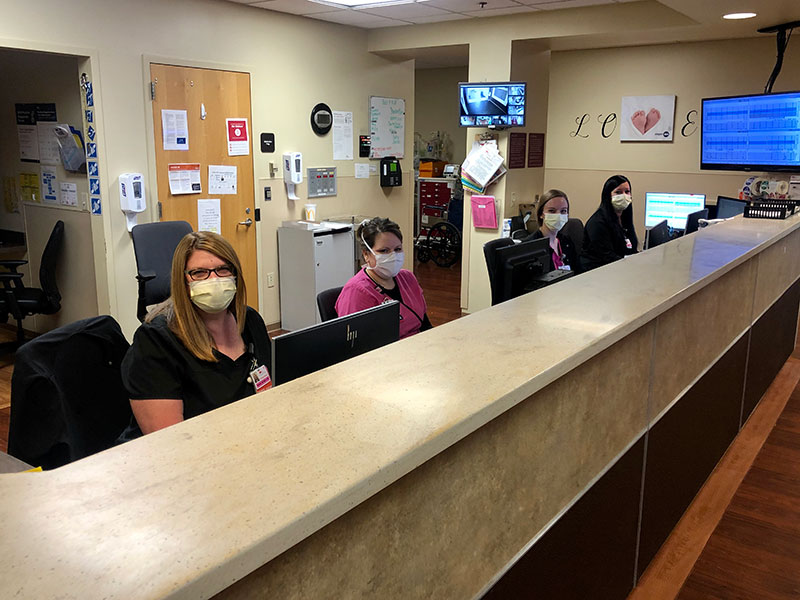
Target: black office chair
693,221
658,234
20,301
67,397
573,229
153,245
489,253
326,303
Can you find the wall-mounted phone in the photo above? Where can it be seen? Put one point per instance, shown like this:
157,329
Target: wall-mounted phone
292,172
132,198
391,174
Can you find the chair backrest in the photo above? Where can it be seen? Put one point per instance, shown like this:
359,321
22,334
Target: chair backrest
153,246
326,302
489,251
67,397
693,221
47,268
573,229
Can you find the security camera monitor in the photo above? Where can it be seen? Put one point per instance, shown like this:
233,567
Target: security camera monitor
493,105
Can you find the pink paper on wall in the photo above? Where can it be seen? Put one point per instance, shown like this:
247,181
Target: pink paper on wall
483,212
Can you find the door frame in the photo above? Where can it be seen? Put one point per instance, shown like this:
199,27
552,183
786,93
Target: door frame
102,242
151,176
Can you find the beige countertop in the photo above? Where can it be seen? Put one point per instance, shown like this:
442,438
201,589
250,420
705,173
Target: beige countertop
186,511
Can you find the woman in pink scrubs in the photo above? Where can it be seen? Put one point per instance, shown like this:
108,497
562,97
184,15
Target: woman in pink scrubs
383,278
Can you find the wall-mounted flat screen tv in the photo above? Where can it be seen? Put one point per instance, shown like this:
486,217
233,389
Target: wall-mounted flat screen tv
751,133
493,105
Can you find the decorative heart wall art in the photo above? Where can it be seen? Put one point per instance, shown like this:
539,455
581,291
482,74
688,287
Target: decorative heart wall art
647,118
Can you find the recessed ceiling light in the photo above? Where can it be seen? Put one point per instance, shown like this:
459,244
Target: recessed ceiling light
356,4
744,15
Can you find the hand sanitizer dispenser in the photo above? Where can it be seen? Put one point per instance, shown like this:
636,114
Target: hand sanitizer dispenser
131,196
292,172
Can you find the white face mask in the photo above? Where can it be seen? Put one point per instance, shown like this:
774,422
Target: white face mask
387,265
620,201
555,221
213,295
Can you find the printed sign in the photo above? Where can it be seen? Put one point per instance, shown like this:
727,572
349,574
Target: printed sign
238,137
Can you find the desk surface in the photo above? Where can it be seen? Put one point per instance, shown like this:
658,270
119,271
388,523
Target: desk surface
185,511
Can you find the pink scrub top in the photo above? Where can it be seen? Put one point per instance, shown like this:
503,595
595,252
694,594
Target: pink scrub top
361,293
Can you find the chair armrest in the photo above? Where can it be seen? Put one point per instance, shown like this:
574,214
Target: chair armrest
143,276
11,276
12,264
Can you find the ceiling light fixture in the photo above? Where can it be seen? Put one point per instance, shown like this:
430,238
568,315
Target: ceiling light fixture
359,4
735,16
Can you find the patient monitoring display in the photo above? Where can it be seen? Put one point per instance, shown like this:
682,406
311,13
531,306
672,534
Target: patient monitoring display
492,104
672,207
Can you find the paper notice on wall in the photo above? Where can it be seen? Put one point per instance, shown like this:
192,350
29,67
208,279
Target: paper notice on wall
342,135
49,184
221,179
362,170
184,178
175,129
48,144
238,137
69,194
10,197
29,187
209,215
28,136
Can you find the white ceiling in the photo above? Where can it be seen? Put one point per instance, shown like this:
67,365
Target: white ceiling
431,11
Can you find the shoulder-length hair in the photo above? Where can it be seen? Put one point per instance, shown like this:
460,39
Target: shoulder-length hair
545,198
183,317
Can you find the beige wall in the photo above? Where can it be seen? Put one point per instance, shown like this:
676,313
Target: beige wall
436,104
294,63
592,82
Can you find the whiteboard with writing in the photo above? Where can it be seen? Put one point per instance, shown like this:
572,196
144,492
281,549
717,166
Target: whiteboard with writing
387,126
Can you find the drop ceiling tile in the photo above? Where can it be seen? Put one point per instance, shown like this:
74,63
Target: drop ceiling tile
358,18
295,7
486,12
441,19
405,11
570,4
464,6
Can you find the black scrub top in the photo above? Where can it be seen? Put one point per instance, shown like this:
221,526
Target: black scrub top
158,365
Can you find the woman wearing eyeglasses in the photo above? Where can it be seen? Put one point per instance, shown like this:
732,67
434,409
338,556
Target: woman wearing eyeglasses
203,347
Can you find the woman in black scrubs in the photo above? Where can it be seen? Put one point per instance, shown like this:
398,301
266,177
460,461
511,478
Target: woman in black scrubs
203,347
609,234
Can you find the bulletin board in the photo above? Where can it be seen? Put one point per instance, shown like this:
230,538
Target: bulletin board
387,125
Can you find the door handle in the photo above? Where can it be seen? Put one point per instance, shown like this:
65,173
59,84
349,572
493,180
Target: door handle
247,222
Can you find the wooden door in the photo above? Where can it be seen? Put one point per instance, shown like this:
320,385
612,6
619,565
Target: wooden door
209,96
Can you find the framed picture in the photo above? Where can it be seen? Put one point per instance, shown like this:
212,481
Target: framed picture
647,118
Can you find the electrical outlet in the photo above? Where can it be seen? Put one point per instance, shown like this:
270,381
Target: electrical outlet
270,279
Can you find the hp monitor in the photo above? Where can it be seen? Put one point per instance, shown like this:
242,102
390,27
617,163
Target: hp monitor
306,350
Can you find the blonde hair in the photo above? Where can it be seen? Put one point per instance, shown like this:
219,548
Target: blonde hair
545,198
182,315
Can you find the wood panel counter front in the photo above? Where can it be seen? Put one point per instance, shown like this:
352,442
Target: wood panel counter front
422,469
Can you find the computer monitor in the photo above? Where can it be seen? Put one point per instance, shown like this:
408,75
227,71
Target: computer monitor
729,207
672,207
658,234
693,221
310,349
519,266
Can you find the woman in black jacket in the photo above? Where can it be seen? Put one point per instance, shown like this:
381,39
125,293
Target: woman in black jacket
609,233
552,213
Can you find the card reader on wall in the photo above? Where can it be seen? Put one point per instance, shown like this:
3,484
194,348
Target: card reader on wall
292,172
391,175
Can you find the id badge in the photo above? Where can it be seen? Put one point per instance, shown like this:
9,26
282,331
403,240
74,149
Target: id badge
260,379
628,244
564,268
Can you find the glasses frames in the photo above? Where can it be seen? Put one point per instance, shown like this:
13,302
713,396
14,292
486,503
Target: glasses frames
201,274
